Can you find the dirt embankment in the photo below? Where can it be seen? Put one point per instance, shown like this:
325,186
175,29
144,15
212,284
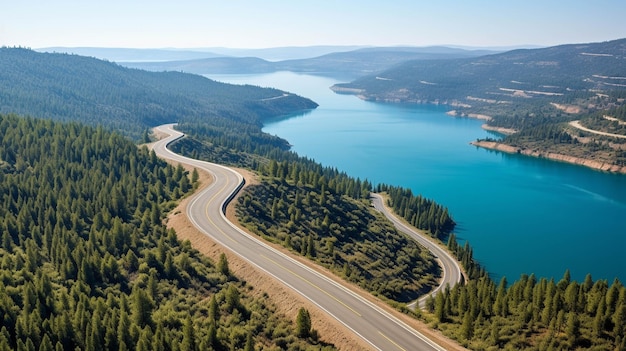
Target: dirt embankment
602,166
501,130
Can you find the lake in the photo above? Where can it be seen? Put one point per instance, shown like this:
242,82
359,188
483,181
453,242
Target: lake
521,215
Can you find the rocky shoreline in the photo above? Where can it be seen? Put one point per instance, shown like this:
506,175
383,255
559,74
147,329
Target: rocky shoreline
597,165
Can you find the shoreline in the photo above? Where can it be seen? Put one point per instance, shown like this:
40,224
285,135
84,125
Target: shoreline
491,145
501,130
485,126
593,164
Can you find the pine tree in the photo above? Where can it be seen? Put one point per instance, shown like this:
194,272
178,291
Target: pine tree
142,306
249,342
232,298
619,321
212,336
467,328
303,323
194,177
311,252
189,339
214,313
222,265
440,307
573,328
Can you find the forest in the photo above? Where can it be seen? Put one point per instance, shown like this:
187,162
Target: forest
131,101
533,314
87,263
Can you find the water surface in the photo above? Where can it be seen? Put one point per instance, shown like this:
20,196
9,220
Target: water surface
521,215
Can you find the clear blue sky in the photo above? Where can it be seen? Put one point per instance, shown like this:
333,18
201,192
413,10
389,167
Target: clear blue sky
274,23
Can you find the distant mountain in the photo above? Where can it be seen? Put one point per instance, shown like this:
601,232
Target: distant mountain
555,72
285,53
172,54
77,88
222,65
368,60
350,64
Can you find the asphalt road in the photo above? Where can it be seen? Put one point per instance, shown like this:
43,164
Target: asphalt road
449,265
379,328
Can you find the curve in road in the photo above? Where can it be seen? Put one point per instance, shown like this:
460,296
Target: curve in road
577,125
378,327
450,267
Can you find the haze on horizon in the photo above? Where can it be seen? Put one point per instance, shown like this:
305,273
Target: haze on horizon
274,23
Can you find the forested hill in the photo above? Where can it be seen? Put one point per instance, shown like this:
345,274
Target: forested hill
556,72
86,264
71,87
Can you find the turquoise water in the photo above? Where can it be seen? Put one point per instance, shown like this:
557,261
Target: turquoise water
520,214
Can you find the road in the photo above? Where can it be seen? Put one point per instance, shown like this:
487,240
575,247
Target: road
576,124
449,265
376,326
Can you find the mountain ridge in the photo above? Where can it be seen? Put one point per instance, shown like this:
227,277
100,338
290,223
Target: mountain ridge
72,87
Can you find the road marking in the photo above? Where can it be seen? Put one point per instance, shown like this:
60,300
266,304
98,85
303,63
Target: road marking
391,341
313,285
206,212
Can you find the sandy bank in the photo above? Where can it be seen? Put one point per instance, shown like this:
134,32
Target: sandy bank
501,130
456,113
601,166
343,90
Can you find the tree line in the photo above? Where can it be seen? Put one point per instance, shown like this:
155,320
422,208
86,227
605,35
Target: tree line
534,314
420,212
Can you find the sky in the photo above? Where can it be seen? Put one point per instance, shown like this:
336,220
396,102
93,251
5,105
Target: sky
278,23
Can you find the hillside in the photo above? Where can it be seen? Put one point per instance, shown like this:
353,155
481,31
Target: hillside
71,87
535,92
557,72
86,262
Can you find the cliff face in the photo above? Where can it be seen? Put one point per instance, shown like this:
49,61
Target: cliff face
598,165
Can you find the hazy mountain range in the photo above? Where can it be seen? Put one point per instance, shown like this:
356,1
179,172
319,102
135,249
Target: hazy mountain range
342,61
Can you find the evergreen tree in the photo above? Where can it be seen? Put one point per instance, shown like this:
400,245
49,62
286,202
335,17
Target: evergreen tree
142,306
440,307
222,265
249,343
467,328
303,323
573,328
214,313
189,339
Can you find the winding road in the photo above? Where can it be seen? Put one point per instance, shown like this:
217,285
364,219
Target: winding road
451,270
379,328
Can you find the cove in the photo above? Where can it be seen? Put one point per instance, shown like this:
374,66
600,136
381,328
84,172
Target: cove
521,215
